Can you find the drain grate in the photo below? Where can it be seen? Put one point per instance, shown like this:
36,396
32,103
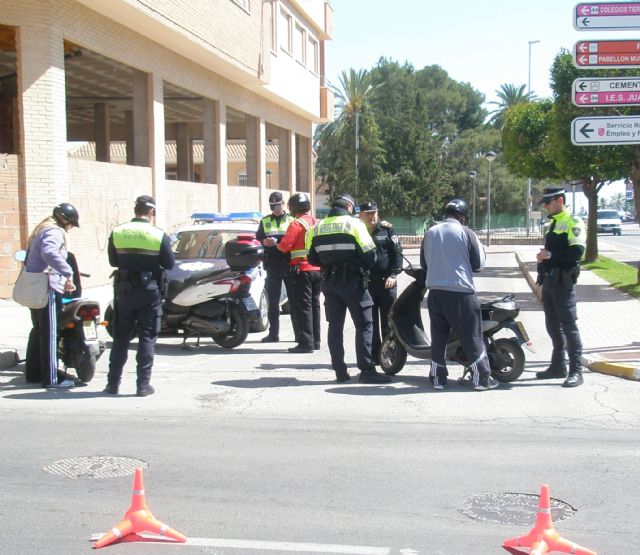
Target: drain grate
94,467
517,509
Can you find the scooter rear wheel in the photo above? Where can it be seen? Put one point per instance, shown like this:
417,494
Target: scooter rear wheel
507,360
392,356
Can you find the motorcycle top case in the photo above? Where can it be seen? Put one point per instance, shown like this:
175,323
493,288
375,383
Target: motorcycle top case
243,253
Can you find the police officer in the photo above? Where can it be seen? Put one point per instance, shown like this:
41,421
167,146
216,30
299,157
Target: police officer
450,253
304,277
141,252
382,281
341,245
270,232
558,269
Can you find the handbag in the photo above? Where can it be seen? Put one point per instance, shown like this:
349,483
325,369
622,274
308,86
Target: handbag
31,289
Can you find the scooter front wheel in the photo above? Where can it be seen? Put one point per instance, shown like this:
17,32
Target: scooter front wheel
237,332
506,358
392,356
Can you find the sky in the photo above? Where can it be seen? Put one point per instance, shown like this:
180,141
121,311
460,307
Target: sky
482,42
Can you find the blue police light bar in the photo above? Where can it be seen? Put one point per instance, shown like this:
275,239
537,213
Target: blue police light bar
245,215
230,217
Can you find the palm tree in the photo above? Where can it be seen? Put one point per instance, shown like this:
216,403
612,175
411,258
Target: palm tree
618,201
509,96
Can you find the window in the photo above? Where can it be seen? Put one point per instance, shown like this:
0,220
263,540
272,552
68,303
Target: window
242,179
273,27
286,24
299,44
244,4
312,55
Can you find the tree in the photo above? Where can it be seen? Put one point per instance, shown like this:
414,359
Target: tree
618,201
510,96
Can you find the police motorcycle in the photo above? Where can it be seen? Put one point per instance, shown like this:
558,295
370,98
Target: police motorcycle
407,336
78,344
210,299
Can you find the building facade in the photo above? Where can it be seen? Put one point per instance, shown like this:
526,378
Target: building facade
145,74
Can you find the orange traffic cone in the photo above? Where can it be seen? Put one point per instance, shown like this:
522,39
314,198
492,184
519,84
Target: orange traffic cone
543,537
138,518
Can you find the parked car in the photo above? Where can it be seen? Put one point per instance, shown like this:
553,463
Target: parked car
200,245
608,221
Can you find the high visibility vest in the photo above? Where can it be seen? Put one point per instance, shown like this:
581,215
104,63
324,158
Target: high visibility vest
337,239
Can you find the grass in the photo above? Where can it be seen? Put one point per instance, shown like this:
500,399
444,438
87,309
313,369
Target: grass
619,275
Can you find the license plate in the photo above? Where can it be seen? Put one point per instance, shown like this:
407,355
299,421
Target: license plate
249,303
521,329
90,331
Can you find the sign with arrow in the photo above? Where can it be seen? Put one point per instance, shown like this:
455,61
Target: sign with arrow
606,130
609,91
601,16
598,54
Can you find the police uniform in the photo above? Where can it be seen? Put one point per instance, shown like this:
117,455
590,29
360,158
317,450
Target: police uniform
141,252
388,265
565,241
275,264
341,245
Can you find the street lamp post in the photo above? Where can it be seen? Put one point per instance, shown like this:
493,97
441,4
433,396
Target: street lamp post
528,222
473,175
489,157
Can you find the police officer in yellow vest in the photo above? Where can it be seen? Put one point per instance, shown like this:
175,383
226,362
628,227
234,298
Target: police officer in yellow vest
341,245
558,270
270,232
141,252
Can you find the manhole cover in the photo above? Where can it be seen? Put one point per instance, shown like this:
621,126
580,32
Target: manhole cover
518,509
94,467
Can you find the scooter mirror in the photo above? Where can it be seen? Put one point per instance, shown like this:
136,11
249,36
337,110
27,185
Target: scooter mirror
20,256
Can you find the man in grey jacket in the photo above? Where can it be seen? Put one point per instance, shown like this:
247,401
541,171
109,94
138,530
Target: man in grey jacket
450,253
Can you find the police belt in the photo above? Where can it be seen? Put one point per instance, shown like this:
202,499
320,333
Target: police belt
137,278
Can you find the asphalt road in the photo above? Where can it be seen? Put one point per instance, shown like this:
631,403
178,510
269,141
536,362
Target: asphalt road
624,247
258,451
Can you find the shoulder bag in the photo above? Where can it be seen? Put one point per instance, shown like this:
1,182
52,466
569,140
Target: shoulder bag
31,289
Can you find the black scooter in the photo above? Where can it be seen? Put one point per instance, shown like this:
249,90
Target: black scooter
407,335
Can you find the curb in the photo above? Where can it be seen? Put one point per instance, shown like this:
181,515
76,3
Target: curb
537,290
603,366
8,359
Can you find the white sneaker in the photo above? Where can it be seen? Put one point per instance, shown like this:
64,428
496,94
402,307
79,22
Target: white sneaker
491,383
64,384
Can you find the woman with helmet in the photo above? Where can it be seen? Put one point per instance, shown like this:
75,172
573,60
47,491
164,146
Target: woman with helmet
47,251
450,253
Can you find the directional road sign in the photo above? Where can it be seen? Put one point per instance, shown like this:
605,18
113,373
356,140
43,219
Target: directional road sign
598,54
607,130
599,16
609,91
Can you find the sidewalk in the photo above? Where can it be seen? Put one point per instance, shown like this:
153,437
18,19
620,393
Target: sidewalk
607,317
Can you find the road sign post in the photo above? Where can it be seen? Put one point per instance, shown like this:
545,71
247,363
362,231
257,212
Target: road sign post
607,91
605,130
601,16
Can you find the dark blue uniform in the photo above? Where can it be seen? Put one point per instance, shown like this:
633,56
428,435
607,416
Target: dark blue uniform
141,252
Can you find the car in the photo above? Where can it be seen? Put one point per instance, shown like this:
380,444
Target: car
200,244
608,221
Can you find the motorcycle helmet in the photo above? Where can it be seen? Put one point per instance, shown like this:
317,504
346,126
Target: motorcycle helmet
457,206
299,203
66,213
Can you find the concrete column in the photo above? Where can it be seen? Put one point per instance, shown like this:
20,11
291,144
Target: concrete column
209,139
157,148
286,160
128,136
220,147
44,167
102,135
141,123
303,158
252,148
184,152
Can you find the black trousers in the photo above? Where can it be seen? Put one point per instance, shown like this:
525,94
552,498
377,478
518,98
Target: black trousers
139,308
305,308
338,298
42,348
382,301
560,317
276,274
458,312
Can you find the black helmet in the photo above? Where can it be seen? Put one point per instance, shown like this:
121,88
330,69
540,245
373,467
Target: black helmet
457,206
66,213
299,203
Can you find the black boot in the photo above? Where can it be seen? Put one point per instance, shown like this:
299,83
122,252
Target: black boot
373,377
271,338
574,380
552,373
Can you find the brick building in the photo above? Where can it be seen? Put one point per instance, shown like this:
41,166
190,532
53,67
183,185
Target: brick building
198,75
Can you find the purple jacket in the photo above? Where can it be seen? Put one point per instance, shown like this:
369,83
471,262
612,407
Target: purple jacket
47,249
